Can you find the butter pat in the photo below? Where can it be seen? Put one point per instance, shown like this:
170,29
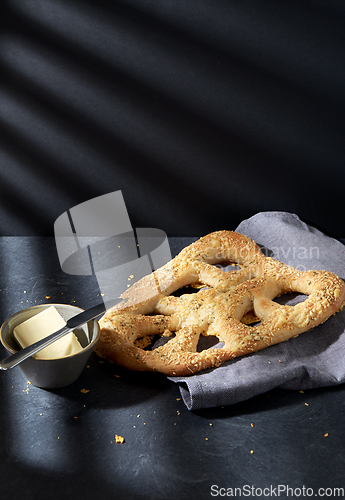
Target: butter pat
41,325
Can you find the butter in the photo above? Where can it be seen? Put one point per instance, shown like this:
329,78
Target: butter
41,325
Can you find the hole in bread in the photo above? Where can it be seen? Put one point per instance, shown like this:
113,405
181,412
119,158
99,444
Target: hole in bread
159,340
228,266
208,341
290,299
145,342
194,288
151,342
250,318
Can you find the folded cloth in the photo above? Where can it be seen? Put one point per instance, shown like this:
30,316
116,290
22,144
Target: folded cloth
314,359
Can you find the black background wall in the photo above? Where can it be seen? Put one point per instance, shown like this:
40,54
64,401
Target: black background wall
202,112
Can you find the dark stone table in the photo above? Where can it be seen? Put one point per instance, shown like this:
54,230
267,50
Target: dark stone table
61,443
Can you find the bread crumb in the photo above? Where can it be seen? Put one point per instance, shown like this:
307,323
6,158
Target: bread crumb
326,435
84,391
251,425
119,439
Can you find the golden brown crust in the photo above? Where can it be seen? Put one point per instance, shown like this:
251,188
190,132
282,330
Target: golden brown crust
149,308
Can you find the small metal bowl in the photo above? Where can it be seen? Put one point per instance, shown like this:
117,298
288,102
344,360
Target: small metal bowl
56,372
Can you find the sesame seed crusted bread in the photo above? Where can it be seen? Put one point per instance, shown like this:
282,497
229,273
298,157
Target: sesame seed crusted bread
217,309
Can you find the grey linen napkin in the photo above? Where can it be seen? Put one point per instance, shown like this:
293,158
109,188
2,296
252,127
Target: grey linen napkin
314,359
